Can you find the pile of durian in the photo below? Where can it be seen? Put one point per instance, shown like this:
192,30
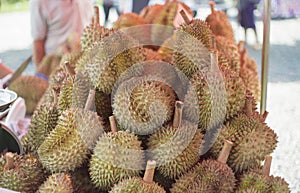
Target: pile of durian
120,116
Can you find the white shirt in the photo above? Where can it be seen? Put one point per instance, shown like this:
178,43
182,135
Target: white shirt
55,20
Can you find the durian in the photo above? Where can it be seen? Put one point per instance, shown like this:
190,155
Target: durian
252,139
137,185
20,173
43,121
208,176
57,183
149,13
31,89
68,145
175,147
117,155
48,64
143,104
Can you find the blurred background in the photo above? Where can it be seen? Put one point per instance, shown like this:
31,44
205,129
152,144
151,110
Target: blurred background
284,64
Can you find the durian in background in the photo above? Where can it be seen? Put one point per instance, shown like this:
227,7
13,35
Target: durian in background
149,13
143,104
261,181
175,147
43,121
31,89
117,155
23,173
137,184
70,143
57,183
219,23
252,139
208,176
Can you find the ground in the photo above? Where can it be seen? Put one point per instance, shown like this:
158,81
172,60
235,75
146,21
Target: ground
283,86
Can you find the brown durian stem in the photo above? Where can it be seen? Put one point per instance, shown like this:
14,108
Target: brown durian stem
213,60
267,165
96,16
68,68
113,124
264,116
248,104
212,6
177,114
240,46
213,43
9,157
225,152
149,173
185,17
90,102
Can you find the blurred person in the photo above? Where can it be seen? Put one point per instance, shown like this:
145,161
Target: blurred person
246,17
138,5
53,22
107,5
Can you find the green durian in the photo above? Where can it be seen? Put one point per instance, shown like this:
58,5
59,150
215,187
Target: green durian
72,58
278,185
20,173
43,121
31,89
137,184
143,104
208,176
57,183
254,183
175,147
252,139
117,155
68,145
219,23
166,50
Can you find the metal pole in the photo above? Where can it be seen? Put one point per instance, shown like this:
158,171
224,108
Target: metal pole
265,55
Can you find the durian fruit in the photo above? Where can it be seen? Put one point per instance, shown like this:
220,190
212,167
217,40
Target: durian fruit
252,139
57,183
43,121
219,23
249,73
192,45
93,32
103,107
117,155
72,58
31,89
228,49
151,54
69,144
208,176
20,173
107,63
149,13
137,185
167,19
260,181
166,50
128,20
48,64
143,104
176,147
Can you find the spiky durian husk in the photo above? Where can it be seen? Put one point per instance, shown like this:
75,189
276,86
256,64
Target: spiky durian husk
49,63
69,144
142,105
249,74
26,176
128,20
136,185
151,54
93,33
253,183
57,183
71,58
252,139
43,121
109,62
235,92
278,185
116,156
166,50
220,24
175,149
103,107
206,176
190,53
205,101
227,48
149,13
66,93
31,89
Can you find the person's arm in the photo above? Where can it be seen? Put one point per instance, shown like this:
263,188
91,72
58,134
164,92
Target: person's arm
38,51
4,70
